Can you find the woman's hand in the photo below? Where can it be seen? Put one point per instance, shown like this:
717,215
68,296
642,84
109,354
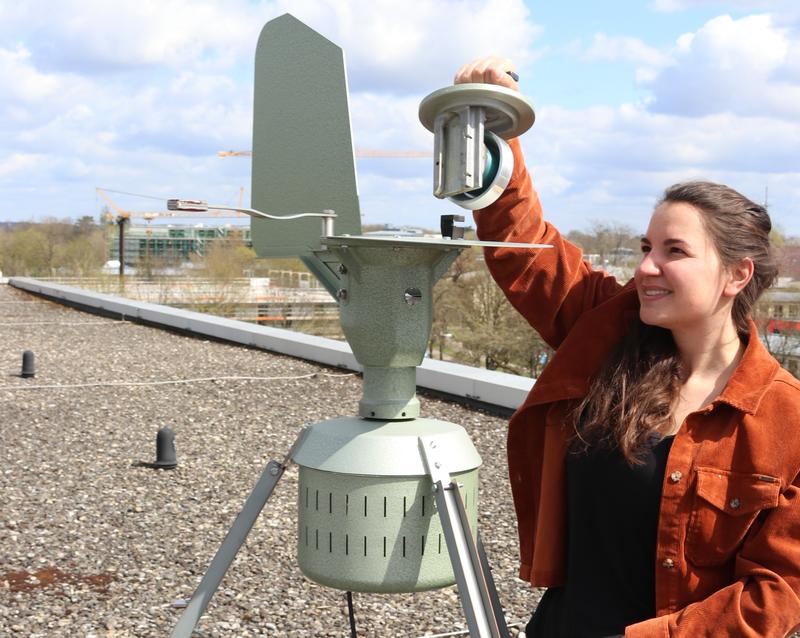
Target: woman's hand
490,70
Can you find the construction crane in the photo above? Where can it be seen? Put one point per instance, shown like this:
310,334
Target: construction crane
360,153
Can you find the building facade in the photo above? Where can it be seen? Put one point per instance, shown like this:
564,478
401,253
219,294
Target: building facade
170,244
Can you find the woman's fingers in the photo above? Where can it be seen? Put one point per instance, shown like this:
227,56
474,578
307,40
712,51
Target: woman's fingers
489,70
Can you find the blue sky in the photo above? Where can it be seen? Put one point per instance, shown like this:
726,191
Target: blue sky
631,96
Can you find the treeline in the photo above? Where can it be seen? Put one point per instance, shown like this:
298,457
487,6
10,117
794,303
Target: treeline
53,248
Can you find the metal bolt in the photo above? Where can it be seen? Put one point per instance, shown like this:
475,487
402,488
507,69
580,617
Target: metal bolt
735,503
274,470
342,269
676,476
341,294
668,563
412,296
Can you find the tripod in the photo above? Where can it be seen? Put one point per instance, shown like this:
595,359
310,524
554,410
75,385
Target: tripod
476,588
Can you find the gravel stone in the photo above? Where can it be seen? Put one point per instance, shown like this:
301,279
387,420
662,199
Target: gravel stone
94,543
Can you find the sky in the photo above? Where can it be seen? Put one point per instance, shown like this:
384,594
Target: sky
631,96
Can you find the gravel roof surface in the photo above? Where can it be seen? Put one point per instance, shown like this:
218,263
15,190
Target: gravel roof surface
93,545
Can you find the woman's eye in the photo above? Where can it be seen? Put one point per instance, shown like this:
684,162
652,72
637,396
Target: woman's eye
677,251
645,249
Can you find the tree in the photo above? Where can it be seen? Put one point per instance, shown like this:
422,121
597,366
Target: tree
25,252
483,327
612,241
223,264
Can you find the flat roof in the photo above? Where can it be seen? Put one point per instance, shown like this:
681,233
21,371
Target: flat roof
94,544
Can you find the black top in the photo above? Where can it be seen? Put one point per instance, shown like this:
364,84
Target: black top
612,514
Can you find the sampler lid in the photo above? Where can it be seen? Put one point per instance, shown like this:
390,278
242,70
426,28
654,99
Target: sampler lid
352,445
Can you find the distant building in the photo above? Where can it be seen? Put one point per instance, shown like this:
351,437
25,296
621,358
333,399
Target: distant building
171,243
780,309
778,314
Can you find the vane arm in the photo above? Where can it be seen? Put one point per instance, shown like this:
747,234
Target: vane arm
200,206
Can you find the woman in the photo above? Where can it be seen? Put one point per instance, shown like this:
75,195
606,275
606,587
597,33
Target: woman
655,463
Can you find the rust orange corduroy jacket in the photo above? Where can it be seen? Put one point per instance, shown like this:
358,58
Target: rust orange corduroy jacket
728,544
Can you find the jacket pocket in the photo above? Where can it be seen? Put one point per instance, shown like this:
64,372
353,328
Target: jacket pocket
725,506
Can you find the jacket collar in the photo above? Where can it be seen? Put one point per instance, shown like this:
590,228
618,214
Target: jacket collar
752,377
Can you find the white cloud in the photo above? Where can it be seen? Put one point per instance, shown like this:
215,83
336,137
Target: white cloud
671,6
399,47
21,82
624,157
95,36
17,163
627,49
746,66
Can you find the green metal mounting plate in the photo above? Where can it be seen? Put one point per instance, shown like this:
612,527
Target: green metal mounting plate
409,242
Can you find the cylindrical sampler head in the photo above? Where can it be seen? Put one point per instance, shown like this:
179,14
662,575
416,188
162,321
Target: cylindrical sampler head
472,164
367,519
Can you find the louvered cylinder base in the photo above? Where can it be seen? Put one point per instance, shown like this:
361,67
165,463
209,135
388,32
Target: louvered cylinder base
374,527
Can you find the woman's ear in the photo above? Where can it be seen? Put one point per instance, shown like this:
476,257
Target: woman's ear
739,276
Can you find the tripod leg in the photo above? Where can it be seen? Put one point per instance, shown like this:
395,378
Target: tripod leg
230,546
473,590
499,615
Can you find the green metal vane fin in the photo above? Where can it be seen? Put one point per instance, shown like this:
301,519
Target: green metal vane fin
303,157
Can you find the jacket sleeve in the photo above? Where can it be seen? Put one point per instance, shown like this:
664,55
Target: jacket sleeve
764,601
550,287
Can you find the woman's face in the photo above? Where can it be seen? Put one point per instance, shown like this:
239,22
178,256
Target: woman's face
681,281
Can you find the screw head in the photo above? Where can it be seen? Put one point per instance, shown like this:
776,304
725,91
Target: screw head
341,294
274,470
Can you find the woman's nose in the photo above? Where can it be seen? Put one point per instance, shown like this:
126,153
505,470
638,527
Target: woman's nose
648,265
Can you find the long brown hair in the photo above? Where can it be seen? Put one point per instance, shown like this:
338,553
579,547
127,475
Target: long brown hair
632,396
